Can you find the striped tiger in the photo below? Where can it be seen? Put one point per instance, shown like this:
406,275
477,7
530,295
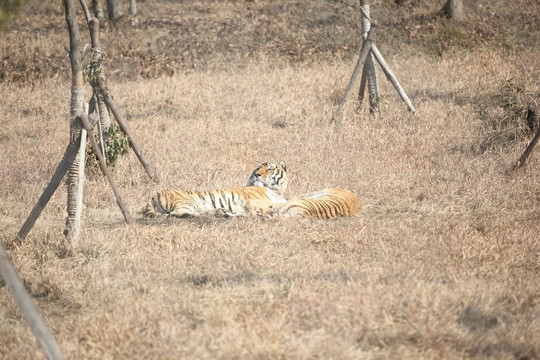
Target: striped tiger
325,204
264,191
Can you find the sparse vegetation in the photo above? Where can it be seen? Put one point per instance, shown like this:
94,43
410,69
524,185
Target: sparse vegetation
507,116
115,146
442,261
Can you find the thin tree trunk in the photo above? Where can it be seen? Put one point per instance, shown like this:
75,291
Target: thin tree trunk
133,7
369,67
98,70
76,108
98,10
99,82
115,10
454,10
97,59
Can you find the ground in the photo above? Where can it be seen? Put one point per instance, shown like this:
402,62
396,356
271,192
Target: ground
442,261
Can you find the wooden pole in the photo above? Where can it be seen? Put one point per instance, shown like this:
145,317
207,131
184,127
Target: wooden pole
123,125
359,65
529,149
23,300
362,89
95,146
68,158
390,76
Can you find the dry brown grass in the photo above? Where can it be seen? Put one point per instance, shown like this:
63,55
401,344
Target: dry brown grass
442,262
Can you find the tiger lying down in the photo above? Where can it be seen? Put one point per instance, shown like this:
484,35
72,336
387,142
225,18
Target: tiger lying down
262,197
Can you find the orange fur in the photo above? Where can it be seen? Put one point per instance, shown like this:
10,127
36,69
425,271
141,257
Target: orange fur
325,204
267,182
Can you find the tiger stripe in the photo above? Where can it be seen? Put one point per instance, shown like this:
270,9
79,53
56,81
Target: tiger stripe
325,204
266,184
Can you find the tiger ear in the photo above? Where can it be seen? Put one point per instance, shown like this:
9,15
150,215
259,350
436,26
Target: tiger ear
259,164
282,163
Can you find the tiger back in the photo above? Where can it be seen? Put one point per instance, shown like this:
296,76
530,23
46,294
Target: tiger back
325,204
266,184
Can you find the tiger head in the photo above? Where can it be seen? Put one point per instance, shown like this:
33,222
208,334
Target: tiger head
271,175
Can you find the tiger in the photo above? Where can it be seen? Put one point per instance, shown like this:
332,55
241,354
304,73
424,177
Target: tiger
324,204
264,192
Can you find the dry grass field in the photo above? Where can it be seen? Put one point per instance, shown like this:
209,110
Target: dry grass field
442,262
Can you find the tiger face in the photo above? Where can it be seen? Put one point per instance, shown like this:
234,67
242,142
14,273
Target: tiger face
271,175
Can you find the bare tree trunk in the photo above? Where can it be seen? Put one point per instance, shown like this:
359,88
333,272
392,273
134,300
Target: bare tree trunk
369,67
98,10
115,10
133,7
76,108
99,71
454,10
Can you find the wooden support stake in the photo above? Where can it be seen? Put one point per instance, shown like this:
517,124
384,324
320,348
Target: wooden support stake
68,158
390,76
23,300
529,149
359,66
362,89
95,146
123,125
